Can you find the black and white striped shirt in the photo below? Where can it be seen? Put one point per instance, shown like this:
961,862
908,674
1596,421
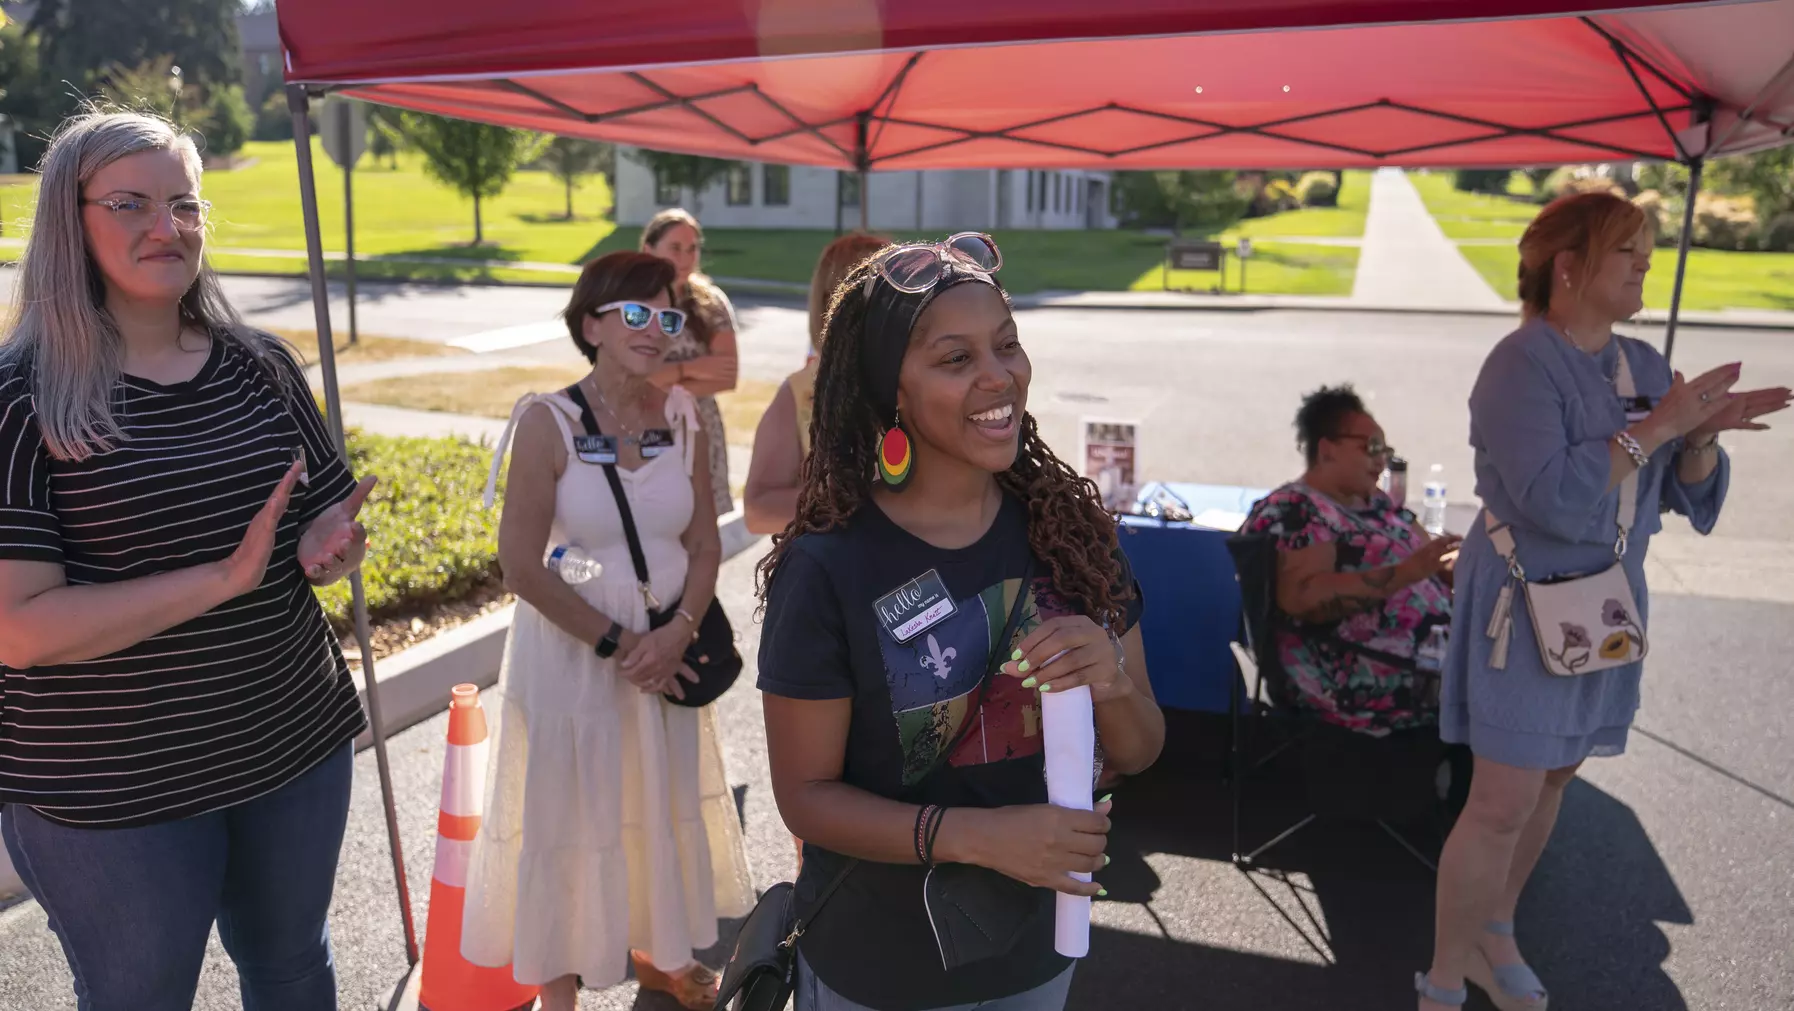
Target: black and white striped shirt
210,713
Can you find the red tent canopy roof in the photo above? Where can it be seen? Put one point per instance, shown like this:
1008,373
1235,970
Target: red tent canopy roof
1052,83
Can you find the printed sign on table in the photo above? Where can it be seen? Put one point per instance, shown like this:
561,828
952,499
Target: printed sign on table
1109,452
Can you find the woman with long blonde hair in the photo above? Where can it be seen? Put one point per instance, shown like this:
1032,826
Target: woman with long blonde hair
176,718
783,438
1583,439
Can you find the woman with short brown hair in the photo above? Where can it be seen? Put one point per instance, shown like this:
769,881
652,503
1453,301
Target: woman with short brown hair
1580,436
609,828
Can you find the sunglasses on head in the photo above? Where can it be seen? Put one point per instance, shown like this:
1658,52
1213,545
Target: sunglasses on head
916,266
636,316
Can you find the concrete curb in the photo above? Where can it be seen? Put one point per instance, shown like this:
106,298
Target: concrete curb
415,683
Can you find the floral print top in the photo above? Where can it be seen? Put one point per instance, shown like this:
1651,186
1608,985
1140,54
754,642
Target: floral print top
1342,686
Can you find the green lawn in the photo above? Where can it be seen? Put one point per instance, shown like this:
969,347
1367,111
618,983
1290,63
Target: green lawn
403,213
1472,215
1717,279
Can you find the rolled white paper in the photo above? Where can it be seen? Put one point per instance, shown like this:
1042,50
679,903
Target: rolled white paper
1068,725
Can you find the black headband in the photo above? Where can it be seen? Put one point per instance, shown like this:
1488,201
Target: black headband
891,316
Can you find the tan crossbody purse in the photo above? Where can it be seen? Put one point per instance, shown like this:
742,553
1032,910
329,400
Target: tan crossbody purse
1592,619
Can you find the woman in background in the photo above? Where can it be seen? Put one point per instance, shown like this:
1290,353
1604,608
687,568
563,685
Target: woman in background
783,438
702,357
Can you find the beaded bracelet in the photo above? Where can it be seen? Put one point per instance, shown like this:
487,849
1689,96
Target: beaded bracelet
921,840
1632,448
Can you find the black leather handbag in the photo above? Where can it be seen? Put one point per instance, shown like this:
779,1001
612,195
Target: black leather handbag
763,965
712,656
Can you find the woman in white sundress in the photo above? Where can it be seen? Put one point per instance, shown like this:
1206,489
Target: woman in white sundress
609,828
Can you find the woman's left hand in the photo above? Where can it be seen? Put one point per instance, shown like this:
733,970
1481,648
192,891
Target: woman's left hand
658,660
336,542
1064,653
1742,412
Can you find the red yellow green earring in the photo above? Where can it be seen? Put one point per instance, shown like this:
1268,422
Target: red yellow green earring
896,459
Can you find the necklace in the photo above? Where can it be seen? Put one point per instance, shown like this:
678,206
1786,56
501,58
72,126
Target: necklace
632,435
1613,378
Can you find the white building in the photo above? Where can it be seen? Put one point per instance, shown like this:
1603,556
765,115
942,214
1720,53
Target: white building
756,195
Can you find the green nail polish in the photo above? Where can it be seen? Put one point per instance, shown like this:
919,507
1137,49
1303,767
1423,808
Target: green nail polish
1023,667
1046,688
1101,892
1105,859
1105,798
1017,655
1028,683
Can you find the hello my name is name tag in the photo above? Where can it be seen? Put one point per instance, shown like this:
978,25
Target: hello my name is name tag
915,607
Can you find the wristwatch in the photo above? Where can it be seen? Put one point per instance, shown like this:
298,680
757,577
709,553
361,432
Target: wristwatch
607,646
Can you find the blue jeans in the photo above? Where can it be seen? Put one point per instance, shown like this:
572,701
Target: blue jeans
133,907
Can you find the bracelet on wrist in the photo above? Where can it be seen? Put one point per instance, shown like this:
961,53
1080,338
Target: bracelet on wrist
1632,448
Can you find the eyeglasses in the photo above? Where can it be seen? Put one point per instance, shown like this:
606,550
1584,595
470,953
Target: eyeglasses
141,213
1373,446
915,266
636,316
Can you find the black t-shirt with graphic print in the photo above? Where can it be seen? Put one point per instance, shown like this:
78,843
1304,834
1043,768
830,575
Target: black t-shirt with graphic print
873,942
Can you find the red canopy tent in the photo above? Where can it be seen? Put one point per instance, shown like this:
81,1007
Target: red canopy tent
1130,84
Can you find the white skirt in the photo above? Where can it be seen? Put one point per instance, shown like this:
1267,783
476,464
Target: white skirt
609,823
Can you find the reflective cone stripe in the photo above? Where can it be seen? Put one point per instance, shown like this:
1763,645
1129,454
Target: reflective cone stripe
450,982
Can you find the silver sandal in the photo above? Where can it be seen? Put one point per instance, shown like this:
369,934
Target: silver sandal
1438,994
1510,987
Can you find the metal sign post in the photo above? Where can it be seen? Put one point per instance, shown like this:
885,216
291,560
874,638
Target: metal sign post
343,125
1244,252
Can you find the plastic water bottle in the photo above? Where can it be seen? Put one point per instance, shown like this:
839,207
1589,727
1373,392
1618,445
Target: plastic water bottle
572,564
1432,510
1430,656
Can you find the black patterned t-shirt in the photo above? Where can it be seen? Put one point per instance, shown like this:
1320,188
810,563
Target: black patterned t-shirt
824,640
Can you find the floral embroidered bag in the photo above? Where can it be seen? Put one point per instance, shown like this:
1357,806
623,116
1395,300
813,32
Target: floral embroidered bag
1583,624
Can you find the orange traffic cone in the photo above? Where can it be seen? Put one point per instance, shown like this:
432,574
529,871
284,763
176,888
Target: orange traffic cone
450,982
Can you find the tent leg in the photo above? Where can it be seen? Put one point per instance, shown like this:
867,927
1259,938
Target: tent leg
1675,295
300,106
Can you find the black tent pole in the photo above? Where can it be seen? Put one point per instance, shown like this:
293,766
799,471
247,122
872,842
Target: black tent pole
299,104
1675,296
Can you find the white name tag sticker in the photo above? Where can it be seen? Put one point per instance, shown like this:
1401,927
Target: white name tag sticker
915,607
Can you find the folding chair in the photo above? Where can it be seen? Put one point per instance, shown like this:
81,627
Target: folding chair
1373,767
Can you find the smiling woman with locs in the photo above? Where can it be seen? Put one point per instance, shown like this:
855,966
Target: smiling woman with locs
937,537
176,718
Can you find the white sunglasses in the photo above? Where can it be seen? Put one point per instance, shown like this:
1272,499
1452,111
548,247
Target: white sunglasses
636,316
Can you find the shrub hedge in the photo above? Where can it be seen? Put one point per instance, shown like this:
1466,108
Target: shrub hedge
430,541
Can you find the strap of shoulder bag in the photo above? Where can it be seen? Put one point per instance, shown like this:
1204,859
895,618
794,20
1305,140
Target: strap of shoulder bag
1016,610
640,560
1501,534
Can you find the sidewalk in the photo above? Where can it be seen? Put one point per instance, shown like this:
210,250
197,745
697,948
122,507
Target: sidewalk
1407,262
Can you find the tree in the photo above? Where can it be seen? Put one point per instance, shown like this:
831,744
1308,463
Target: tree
159,88
81,39
570,158
1205,201
476,159
684,171
386,134
27,97
231,122
1767,176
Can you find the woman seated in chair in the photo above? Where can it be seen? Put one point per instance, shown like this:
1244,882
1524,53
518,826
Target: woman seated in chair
1353,570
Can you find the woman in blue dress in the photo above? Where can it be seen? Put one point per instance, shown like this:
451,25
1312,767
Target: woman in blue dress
1554,446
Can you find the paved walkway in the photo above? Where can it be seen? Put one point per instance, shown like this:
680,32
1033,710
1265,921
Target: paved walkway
1406,261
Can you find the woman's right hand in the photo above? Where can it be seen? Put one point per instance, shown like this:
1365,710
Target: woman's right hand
1682,409
244,569
1038,844
1428,562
